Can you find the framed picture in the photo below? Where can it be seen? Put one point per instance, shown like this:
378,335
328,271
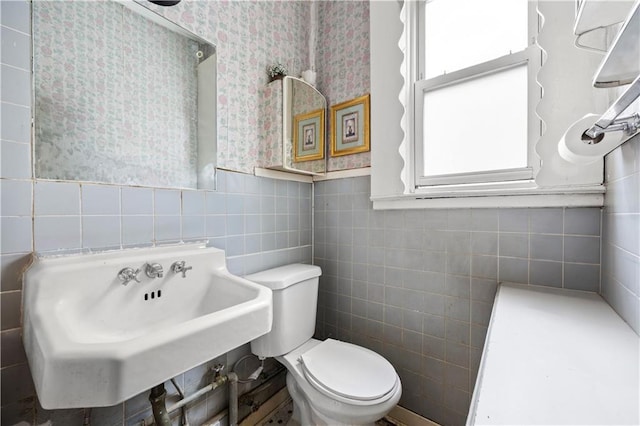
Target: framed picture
350,127
308,136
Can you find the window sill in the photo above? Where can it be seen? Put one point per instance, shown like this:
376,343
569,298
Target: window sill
582,196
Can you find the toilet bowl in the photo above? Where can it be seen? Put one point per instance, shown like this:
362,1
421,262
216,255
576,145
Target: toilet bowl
331,382
350,385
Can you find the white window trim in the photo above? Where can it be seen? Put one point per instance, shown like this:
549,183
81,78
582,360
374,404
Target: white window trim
556,183
503,200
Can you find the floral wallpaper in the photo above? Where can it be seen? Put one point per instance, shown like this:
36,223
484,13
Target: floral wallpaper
251,35
343,63
86,50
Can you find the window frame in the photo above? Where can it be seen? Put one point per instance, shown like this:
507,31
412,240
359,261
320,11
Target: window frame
564,70
530,56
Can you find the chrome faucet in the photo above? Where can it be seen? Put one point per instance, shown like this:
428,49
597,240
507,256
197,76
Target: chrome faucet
127,275
154,270
179,267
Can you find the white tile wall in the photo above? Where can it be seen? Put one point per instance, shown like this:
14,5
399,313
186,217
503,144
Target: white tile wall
100,200
16,15
16,234
57,233
101,232
193,203
137,201
417,285
167,202
621,233
16,121
16,88
16,198
137,230
57,198
15,48
15,160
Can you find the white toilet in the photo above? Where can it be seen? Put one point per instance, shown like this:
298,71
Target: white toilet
330,382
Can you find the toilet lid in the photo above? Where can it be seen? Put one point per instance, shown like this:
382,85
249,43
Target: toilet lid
348,370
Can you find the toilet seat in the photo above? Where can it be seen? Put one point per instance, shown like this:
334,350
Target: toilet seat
349,373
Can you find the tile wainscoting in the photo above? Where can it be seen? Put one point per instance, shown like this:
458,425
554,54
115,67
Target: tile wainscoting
260,222
621,233
417,286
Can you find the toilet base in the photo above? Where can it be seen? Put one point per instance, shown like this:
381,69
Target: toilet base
304,414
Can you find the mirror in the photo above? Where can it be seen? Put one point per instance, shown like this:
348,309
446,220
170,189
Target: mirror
306,108
122,96
295,138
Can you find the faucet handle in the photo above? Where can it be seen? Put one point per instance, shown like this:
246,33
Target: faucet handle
179,267
154,270
127,275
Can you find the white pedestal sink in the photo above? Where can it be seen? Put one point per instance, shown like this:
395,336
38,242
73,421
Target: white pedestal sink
93,341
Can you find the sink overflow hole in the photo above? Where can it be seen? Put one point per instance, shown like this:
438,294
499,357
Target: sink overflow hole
153,295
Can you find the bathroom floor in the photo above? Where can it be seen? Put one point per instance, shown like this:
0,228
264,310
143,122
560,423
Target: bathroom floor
283,417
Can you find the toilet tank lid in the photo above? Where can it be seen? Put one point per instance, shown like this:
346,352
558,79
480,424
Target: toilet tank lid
284,276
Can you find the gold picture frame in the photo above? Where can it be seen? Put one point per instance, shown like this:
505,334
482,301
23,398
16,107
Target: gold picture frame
350,127
308,136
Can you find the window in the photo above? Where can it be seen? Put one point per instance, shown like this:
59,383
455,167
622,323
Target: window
474,92
558,92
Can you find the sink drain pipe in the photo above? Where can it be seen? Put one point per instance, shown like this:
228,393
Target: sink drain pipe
161,412
157,399
233,399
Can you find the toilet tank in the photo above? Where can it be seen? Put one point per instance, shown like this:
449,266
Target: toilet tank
295,301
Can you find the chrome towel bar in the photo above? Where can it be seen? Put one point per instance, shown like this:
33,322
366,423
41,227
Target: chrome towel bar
609,121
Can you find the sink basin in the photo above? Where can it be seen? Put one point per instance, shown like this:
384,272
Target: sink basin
92,341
